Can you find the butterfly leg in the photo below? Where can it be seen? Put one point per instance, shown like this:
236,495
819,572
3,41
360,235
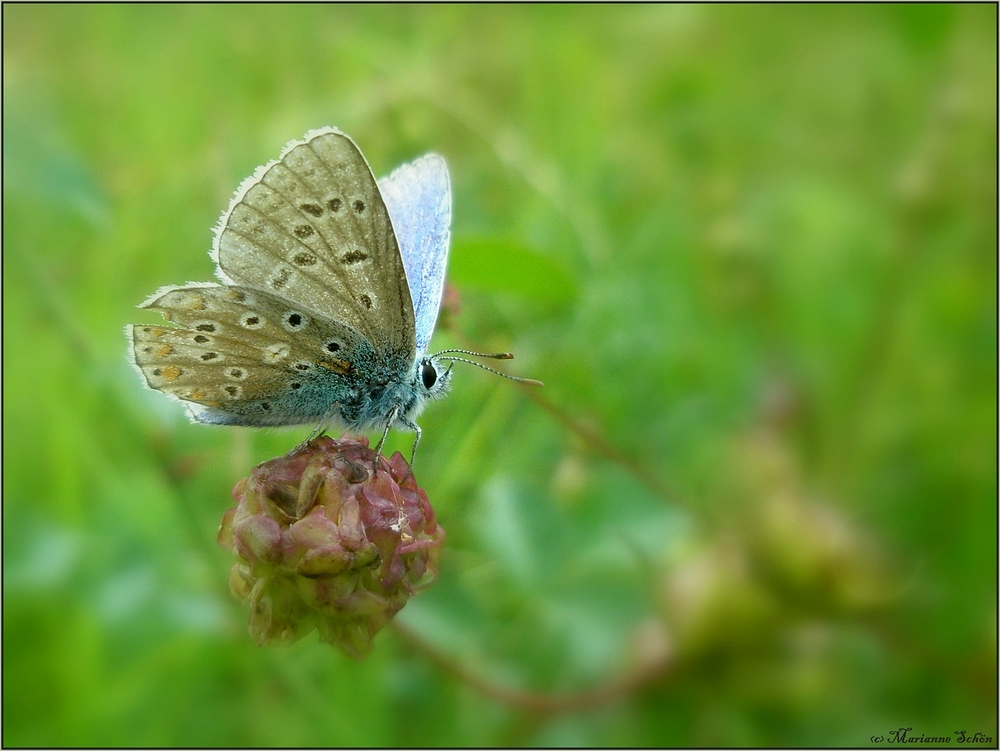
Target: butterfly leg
318,431
416,429
385,433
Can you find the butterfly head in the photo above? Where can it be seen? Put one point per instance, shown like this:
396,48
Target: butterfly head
433,378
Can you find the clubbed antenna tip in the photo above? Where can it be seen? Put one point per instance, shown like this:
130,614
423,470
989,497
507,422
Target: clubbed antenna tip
494,356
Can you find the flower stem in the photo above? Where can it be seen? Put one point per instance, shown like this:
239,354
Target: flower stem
653,666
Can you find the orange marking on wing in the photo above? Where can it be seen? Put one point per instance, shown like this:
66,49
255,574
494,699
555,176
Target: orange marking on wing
336,365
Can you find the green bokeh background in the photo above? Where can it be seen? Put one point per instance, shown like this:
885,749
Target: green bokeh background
750,250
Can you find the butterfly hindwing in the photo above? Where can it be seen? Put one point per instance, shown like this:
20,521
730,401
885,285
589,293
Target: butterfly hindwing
242,356
312,227
418,197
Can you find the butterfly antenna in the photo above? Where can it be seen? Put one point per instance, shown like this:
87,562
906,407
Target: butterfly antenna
497,356
501,356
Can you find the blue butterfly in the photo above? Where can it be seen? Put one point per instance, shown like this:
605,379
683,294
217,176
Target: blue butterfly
330,288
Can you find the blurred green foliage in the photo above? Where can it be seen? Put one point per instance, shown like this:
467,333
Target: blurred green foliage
751,250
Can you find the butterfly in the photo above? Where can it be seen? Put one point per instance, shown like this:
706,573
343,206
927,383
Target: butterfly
331,283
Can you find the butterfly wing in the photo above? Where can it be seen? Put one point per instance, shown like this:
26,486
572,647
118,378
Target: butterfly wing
311,227
418,197
241,356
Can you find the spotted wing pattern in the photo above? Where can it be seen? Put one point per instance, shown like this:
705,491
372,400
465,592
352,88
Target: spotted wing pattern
312,228
242,356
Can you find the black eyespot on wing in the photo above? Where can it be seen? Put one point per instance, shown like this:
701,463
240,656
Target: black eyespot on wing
303,231
209,356
332,346
209,327
334,204
201,339
312,208
359,206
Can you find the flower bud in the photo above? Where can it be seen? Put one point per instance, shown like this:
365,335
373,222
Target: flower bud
325,540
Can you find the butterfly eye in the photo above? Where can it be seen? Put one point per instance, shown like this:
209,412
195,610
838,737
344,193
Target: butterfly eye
428,374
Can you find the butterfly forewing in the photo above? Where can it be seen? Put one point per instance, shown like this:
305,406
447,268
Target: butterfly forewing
312,228
243,356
